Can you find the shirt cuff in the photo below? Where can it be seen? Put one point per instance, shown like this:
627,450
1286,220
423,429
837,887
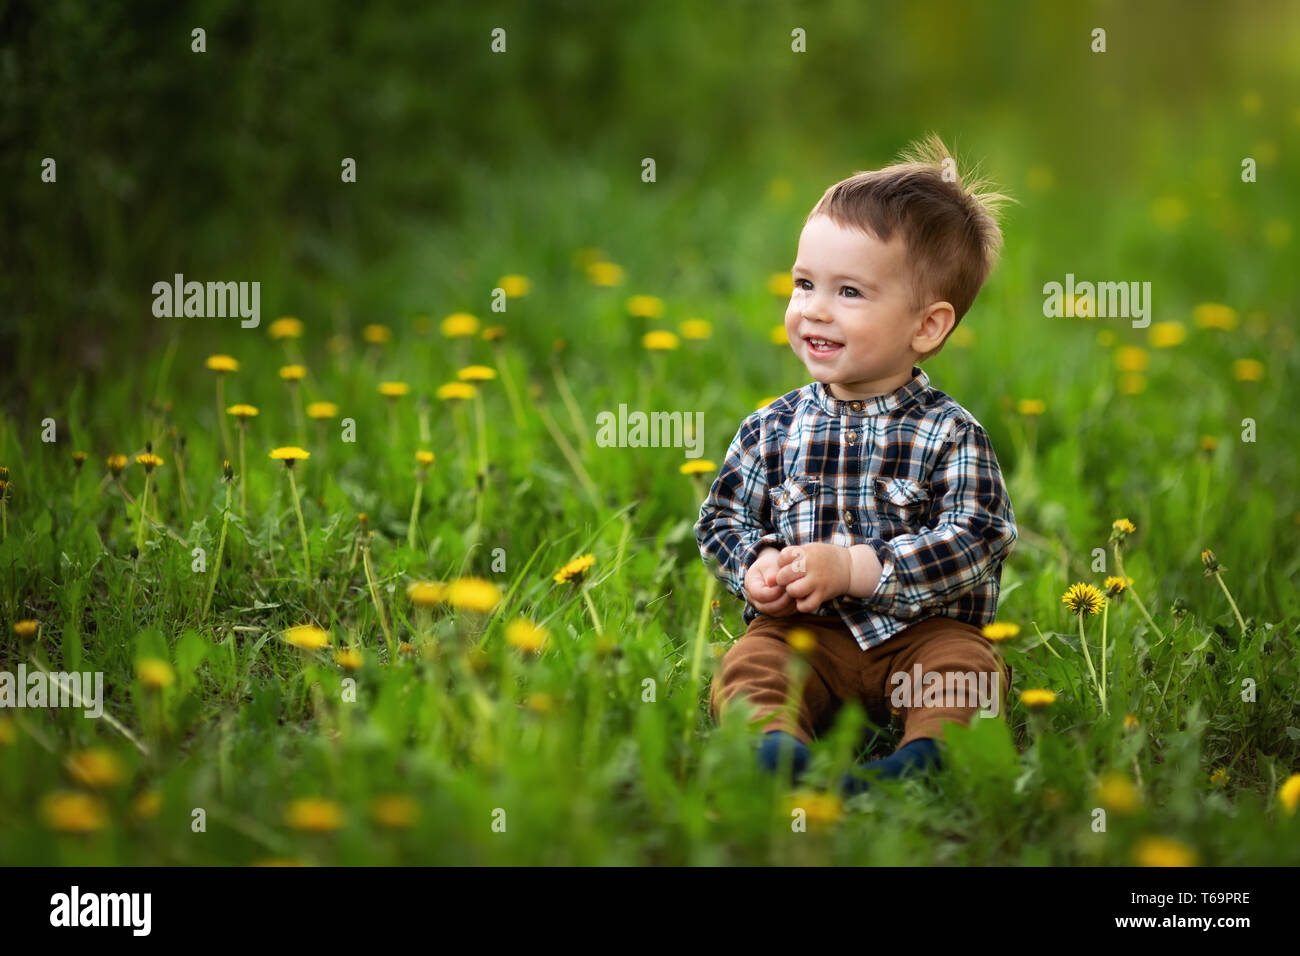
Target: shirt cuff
886,592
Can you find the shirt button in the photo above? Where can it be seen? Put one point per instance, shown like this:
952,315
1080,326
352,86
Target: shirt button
851,437
848,517
856,406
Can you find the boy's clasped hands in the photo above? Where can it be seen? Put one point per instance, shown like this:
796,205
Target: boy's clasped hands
803,577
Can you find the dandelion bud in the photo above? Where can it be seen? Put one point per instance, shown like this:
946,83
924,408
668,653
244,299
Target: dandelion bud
1210,561
4,473
227,471
78,459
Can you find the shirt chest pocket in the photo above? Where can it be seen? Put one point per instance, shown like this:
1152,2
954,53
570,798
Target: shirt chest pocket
899,505
794,507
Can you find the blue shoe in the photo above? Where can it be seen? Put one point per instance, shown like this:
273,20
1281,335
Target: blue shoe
919,756
770,752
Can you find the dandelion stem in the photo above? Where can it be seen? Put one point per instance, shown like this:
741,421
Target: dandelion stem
374,595
1218,577
507,380
1083,641
591,609
566,394
221,547
144,515
415,510
1119,565
1105,614
302,527
243,476
570,456
221,412
1045,642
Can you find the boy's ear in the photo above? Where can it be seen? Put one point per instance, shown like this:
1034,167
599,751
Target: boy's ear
937,321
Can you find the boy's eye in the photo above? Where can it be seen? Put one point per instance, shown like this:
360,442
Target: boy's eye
797,285
850,288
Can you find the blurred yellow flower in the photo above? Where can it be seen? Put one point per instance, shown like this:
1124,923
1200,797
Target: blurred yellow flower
802,641
314,813
515,286
575,569
242,412
764,402
74,812
349,658
962,337
155,673
116,463
700,466
820,809
377,334
26,628
1219,778
659,341
424,458
8,732
322,410
146,805
780,284
1000,630
1123,526
1031,406
394,811
458,325
95,767
1131,358
476,373
1036,698
1132,383
1168,211
289,454
1115,585
394,389
456,391
540,702
777,335
148,461
779,188
1248,370
1166,335
222,363
293,373
1215,315
645,306
425,593
494,333
526,636
605,274
285,327
1162,851
1118,794
695,329
1289,795
1105,338
473,594
1277,232
1208,443
1130,722
307,637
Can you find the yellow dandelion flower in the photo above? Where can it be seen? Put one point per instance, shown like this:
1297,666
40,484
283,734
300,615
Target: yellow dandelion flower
1208,443
394,389
514,286
1132,383
962,337
1083,598
1210,561
314,813
407,648
307,637
395,811
780,284
146,805
148,461
1130,722
494,333
458,325
605,274
293,373
349,659
820,809
777,335
8,733
289,454
695,329
1105,338
222,363
1000,630
116,463
1215,315
802,641
95,768
337,344
242,412
456,391
1118,794
659,341
377,334
1165,335
1248,370
645,306
764,402
285,327
1162,851
575,569
74,812
1115,585
322,410
424,458
1131,358
540,702
1031,406
473,594
1289,795
26,628
700,466
1037,698
155,673
476,373
426,593
526,636
1123,527
1168,212
1219,778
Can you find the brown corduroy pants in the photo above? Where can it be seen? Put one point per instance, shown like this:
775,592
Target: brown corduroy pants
897,672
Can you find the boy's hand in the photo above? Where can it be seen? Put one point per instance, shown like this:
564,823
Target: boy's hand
814,574
761,586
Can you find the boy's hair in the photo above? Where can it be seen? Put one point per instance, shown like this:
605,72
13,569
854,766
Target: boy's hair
949,228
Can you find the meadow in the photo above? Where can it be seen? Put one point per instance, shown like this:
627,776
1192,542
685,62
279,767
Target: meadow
365,587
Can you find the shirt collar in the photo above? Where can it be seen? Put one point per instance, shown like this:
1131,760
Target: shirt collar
876,405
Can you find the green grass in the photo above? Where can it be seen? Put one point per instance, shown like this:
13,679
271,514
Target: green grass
584,766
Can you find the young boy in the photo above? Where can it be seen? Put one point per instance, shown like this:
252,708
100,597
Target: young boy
867,508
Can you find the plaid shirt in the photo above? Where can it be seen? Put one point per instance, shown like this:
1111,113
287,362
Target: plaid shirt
910,473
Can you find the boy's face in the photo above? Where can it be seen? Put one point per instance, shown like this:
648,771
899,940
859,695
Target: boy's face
849,318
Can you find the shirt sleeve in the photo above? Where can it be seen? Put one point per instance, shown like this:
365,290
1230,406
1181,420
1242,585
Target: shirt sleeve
972,534
735,521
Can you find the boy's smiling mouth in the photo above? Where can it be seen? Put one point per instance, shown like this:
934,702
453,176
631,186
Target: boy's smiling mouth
821,347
